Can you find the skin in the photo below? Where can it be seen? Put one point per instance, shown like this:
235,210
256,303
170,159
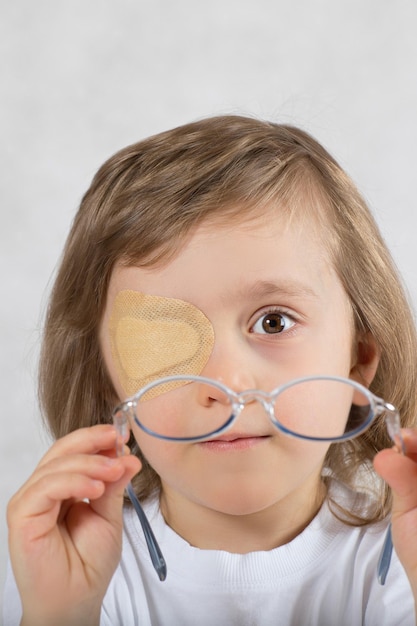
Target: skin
56,540
64,551
222,496
400,472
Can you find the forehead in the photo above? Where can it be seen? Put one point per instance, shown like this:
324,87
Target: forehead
261,251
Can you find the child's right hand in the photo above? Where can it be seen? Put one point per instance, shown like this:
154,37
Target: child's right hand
63,549
400,472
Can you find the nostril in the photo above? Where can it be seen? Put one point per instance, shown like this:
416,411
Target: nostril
209,394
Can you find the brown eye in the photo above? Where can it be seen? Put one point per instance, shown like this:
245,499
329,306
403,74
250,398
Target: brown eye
272,323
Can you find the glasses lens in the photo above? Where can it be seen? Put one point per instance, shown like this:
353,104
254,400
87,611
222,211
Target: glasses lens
323,409
183,409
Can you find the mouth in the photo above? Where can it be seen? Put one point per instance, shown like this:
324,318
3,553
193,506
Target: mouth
232,442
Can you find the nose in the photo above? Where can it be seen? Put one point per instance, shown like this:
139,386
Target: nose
231,364
209,395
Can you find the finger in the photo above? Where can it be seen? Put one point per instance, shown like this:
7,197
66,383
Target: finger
92,440
400,472
37,513
45,493
110,504
95,466
410,442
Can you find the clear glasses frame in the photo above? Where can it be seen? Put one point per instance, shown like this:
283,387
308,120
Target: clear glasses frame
126,411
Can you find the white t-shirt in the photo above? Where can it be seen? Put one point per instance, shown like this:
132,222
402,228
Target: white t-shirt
326,576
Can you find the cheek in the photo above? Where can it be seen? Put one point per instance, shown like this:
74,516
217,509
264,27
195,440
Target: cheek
331,349
315,354
165,457
323,346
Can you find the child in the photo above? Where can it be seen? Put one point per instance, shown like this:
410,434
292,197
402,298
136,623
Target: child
238,251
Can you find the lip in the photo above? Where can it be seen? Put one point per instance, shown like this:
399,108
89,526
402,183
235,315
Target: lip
232,442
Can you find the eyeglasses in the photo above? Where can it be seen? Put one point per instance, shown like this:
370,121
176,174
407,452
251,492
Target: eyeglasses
194,408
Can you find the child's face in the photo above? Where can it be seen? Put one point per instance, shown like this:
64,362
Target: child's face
237,276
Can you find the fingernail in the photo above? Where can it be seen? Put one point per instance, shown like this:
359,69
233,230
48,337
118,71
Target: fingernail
408,432
112,461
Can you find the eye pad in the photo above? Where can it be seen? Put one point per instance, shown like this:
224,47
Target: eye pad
154,336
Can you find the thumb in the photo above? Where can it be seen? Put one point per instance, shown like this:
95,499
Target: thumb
400,472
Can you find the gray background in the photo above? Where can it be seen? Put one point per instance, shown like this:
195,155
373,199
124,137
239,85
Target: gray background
83,78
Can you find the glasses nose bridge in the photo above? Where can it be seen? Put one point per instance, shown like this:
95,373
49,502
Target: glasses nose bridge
256,395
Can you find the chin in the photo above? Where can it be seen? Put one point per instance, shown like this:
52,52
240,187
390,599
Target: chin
242,502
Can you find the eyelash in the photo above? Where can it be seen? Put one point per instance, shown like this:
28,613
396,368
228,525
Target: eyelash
288,319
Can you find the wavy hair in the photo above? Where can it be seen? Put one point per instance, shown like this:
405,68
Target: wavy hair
141,207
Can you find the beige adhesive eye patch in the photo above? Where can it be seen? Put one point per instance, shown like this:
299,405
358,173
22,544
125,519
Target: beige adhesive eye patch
154,336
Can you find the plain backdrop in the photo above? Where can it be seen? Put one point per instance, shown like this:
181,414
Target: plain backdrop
81,79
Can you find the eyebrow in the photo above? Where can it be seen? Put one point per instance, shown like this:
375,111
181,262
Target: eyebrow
288,288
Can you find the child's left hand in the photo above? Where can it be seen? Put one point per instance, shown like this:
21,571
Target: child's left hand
400,472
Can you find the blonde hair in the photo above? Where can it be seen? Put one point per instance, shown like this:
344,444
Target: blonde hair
142,205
